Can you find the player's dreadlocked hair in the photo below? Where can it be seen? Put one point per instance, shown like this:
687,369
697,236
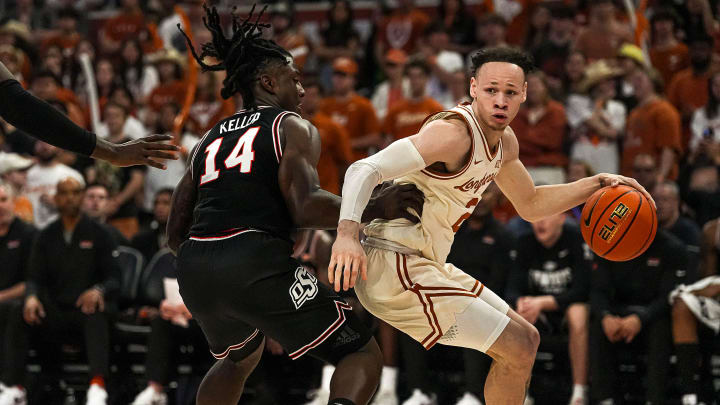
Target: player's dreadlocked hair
241,56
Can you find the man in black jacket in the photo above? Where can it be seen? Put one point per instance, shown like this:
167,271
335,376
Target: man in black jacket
150,240
73,274
629,303
550,284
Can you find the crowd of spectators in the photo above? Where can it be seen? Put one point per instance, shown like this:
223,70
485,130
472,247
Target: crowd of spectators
634,91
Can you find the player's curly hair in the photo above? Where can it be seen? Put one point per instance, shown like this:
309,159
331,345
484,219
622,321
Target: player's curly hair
507,54
242,56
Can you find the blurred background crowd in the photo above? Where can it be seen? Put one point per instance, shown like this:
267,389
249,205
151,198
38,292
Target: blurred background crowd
87,306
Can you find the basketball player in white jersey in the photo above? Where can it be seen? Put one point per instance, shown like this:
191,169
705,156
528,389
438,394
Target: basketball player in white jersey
452,159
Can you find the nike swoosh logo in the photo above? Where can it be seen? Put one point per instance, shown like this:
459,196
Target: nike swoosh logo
587,220
478,161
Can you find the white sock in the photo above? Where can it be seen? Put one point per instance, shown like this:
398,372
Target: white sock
327,373
579,391
388,378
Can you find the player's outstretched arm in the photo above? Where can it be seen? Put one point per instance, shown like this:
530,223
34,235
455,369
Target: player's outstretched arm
533,203
41,120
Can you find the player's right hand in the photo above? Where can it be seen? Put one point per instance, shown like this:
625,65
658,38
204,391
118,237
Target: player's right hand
33,311
150,150
348,257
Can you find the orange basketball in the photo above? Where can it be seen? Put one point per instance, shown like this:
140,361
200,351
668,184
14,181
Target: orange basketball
618,223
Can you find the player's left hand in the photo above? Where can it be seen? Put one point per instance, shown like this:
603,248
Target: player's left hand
348,257
630,327
149,150
613,180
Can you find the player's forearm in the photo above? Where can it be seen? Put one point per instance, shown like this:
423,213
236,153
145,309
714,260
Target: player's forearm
558,198
39,119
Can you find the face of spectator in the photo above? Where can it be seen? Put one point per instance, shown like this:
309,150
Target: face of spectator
53,59
130,52
105,73
85,46
498,89
67,24
537,92
343,83
451,7
7,206
664,28
641,83
644,171
548,230
115,119
280,23
16,178
540,18
603,11
166,71
561,27
45,152
394,71
604,90
10,61
161,208
700,53
668,203
311,100
94,201
418,81
45,88
340,12
68,197
439,40
575,67
493,34
120,96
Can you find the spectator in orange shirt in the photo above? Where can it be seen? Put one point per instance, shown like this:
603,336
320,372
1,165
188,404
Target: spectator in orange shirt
668,55
604,34
208,107
540,127
67,36
401,29
688,89
390,92
335,154
407,116
130,23
169,64
352,111
287,34
653,127
47,86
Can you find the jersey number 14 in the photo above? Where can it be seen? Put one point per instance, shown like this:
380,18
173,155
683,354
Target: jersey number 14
242,154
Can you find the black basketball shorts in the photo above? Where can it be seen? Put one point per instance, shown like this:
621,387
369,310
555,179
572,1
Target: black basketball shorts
244,287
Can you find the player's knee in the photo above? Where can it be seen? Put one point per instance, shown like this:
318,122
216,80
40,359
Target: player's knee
532,337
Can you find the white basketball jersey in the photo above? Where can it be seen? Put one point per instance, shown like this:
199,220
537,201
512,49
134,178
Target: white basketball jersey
449,198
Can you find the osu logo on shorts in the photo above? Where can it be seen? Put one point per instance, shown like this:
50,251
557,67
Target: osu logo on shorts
304,288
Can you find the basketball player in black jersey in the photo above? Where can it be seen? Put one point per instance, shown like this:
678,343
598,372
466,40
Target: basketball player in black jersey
251,182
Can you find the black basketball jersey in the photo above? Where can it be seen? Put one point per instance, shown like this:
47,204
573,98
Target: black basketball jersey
235,166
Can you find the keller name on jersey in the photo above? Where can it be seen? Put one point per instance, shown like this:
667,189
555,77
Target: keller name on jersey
239,123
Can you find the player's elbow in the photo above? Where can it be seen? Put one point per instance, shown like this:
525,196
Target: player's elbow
528,214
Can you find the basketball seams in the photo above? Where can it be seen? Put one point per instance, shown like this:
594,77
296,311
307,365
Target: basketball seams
597,221
627,228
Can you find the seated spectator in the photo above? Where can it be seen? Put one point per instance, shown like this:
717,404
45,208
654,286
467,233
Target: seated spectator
287,34
157,179
149,241
550,286
687,320
492,31
540,127
667,198
42,180
338,36
335,153
133,127
550,54
13,171
130,23
94,205
688,90
653,127
125,183
629,59
604,33
352,111
170,89
13,59
106,78
574,72
705,127
208,107
596,119
16,238
629,302
667,54
407,116
459,21
173,326
67,35
393,90
536,28
67,296
45,85
484,249
401,29
442,61
140,77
